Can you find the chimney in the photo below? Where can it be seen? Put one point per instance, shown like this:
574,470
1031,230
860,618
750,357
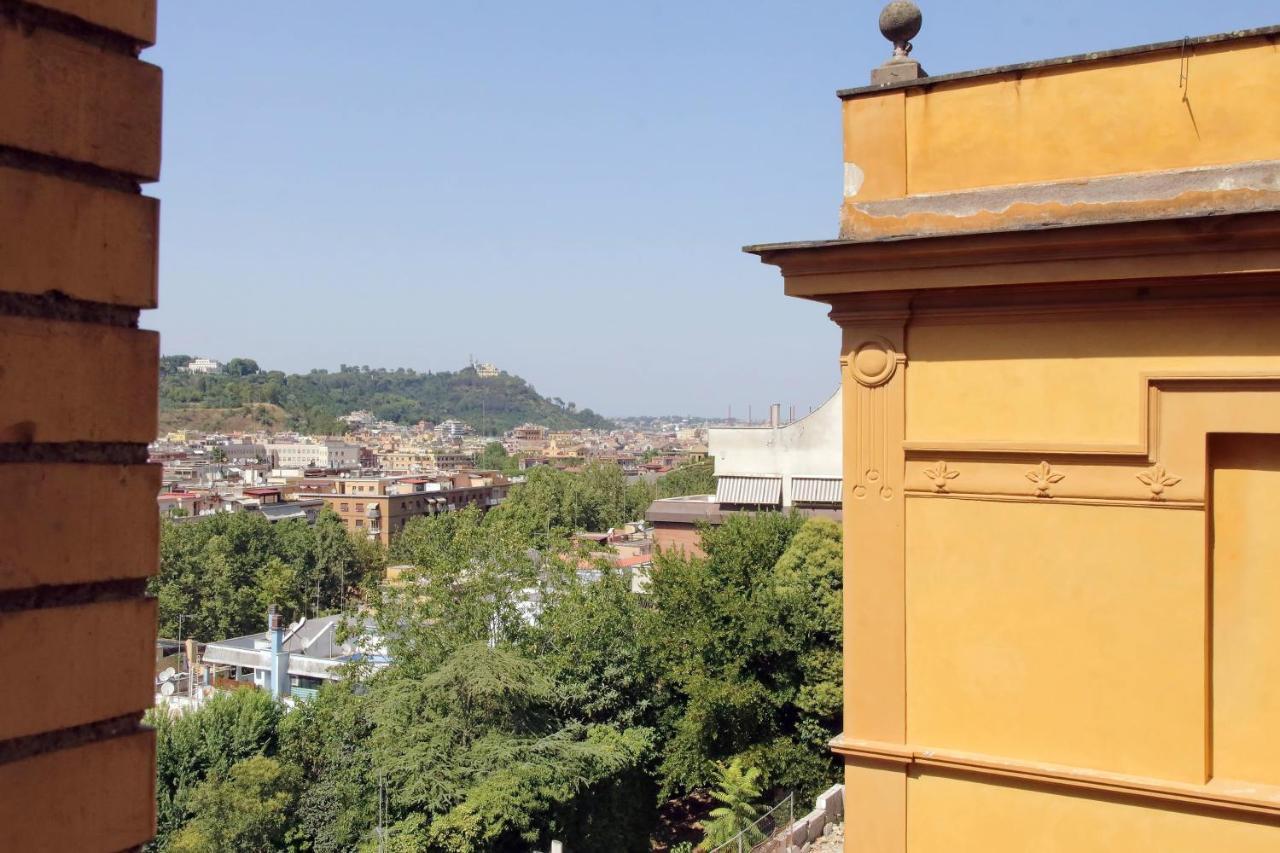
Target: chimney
279,657
775,415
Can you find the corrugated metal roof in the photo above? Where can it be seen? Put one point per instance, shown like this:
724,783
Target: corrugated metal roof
816,489
761,491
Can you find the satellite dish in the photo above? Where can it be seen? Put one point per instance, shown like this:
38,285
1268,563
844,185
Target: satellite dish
167,688
167,673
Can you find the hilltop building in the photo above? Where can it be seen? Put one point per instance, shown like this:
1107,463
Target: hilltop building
203,365
1057,287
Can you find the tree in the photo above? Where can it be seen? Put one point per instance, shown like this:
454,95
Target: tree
328,740
551,505
737,790
206,743
249,810
696,479
494,457
505,770
590,636
337,566
745,639
241,367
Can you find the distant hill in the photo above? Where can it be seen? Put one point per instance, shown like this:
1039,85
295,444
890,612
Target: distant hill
244,395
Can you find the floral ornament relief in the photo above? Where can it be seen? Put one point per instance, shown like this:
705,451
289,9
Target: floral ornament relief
1043,479
1158,479
939,474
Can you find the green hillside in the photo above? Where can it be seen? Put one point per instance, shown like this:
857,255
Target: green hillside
312,401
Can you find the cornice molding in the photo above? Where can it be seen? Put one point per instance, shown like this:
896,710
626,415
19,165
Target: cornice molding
1154,252
1232,796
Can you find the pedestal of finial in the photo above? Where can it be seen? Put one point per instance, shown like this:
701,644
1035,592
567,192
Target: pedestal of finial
897,70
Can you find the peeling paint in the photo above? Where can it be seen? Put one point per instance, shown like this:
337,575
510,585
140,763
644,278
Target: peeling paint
1207,190
853,178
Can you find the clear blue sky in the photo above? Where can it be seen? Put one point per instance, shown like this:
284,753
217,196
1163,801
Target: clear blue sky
561,188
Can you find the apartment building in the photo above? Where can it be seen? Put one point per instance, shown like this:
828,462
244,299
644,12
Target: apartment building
379,507
328,455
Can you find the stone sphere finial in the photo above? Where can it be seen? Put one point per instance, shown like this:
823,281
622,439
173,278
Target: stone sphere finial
900,22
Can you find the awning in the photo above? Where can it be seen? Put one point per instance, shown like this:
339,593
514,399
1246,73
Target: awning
816,490
760,491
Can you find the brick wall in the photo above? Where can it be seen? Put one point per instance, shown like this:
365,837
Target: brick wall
79,133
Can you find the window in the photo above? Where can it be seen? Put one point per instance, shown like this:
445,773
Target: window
359,507
359,522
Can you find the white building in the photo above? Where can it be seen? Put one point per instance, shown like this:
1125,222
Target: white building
451,429
486,370
781,465
203,365
336,455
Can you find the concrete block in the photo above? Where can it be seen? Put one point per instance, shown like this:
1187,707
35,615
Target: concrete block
133,18
99,796
86,242
67,666
817,823
831,802
65,98
66,524
798,837
63,381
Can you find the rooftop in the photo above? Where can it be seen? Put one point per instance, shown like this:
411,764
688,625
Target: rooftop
1061,61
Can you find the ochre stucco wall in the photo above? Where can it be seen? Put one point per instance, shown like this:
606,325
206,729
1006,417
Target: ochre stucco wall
949,815
1061,397
1058,123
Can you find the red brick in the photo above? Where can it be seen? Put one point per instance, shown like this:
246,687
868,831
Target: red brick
65,524
63,381
100,796
65,98
133,18
67,666
87,242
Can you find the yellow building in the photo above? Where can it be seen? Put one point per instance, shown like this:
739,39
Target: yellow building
1058,289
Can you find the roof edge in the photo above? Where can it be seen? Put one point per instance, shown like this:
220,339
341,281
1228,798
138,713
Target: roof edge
1057,62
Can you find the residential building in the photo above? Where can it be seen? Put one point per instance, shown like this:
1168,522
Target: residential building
443,459
451,429
294,661
243,452
379,507
328,455
1057,287
203,365
177,503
